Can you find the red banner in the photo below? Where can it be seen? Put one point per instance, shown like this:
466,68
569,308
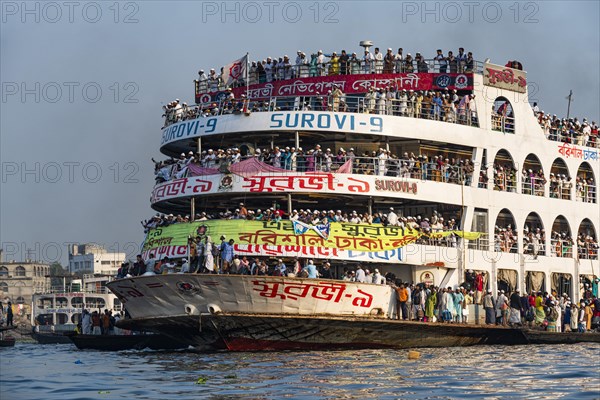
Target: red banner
349,84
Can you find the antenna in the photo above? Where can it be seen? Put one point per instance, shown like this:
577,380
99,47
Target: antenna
570,98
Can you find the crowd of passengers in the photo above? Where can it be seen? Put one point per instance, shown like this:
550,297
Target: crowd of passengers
444,105
417,302
321,64
533,182
568,130
380,162
505,236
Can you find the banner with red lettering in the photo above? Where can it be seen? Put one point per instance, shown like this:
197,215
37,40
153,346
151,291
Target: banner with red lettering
349,84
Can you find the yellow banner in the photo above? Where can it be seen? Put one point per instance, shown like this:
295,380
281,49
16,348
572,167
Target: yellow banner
343,236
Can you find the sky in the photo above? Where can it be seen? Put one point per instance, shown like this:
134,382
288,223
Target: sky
83,84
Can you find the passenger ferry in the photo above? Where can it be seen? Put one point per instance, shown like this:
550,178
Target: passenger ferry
59,311
433,172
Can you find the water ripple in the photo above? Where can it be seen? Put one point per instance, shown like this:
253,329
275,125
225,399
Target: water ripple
31,371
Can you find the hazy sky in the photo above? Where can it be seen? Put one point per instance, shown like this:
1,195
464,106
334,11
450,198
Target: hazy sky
83,82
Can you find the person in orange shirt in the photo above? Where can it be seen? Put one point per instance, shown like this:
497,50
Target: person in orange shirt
402,298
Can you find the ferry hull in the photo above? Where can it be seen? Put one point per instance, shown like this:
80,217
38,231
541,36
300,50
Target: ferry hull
280,332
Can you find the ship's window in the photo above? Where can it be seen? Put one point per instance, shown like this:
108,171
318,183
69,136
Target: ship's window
3,271
77,302
560,180
587,241
20,300
534,236
505,174
76,318
561,240
535,281
4,287
62,318
507,280
62,302
505,233
19,271
473,277
503,117
585,184
533,179
44,319
561,283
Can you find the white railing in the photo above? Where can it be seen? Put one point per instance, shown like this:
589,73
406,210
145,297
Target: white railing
533,186
503,124
561,248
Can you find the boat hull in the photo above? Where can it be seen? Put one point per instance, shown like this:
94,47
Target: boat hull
125,342
52,338
272,332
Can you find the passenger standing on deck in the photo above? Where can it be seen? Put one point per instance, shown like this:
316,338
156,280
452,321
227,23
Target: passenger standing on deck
226,251
402,296
86,323
430,305
515,309
540,315
501,305
489,306
360,274
96,324
459,299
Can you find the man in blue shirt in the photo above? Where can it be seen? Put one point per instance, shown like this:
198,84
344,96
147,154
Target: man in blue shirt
280,268
311,269
226,255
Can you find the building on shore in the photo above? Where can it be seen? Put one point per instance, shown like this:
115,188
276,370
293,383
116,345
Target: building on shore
95,259
20,280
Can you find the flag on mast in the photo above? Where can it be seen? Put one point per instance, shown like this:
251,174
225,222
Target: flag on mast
236,70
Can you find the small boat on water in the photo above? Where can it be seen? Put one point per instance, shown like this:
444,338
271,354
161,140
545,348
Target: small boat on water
6,341
52,337
125,342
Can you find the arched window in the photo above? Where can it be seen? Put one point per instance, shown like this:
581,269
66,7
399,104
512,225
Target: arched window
587,240
505,174
20,300
562,283
560,180
3,271
533,179
534,236
4,287
505,233
534,281
585,184
19,271
503,117
561,240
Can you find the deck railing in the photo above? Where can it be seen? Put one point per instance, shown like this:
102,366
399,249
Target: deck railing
376,104
533,186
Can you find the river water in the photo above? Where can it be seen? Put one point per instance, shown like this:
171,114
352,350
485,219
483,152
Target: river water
32,371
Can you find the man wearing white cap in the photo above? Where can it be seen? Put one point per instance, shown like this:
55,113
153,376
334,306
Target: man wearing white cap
392,217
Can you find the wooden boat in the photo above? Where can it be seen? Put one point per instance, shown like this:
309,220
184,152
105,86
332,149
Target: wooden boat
6,341
125,342
52,337
545,337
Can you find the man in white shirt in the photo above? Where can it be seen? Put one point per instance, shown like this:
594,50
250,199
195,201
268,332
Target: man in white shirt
360,274
378,61
392,217
368,62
